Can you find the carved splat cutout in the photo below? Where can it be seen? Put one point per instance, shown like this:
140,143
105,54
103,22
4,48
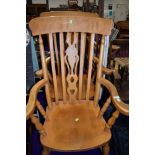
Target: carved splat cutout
71,60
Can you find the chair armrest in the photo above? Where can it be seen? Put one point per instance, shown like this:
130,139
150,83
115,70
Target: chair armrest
120,105
33,96
104,69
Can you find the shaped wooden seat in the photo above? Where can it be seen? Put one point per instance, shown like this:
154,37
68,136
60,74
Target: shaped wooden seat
75,127
73,120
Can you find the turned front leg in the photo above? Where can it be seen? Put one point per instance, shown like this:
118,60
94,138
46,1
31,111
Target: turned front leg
45,151
38,125
106,149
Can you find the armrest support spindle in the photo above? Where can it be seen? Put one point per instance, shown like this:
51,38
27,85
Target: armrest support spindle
118,103
33,96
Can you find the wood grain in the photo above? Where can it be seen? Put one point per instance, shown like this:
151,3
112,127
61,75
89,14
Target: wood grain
82,54
91,52
104,107
41,109
33,96
45,71
74,127
99,71
112,119
38,125
53,24
56,53
106,149
118,103
62,65
53,68
78,124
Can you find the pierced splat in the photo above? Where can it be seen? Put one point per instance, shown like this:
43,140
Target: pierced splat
71,60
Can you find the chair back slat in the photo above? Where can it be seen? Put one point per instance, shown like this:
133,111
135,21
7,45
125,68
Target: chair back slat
45,72
72,47
77,45
82,54
99,70
71,61
56,53
51,24
53,67
91,52
61,37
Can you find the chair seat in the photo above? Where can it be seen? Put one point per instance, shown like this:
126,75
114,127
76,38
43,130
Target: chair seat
74,126
84,88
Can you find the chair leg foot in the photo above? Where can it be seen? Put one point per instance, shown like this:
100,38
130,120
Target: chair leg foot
45,151
106,149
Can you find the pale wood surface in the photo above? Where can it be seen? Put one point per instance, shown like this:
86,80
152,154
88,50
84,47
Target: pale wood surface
53,67
72,124
53,24
75,127
33,96
56,52
104,107
99,67
105,70
45,151
62,65
83,91
45,71
112,119
38,125
83,41
118,103
41,109
71,60
106,149
91,53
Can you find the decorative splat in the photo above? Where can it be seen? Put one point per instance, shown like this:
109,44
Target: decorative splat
71,60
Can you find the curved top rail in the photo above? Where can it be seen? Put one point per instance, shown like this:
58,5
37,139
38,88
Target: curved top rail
53,24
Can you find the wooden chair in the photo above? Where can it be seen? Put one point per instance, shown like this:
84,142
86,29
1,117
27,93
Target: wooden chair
57,53
73,123
123,27
119,55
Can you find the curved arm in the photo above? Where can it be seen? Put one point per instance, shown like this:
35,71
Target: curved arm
120,105
32,97
104,69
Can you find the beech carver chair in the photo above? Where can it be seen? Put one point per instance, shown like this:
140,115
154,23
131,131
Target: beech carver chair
73,123
57,53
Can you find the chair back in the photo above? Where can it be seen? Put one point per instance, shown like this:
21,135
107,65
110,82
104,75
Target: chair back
72,59
65,13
